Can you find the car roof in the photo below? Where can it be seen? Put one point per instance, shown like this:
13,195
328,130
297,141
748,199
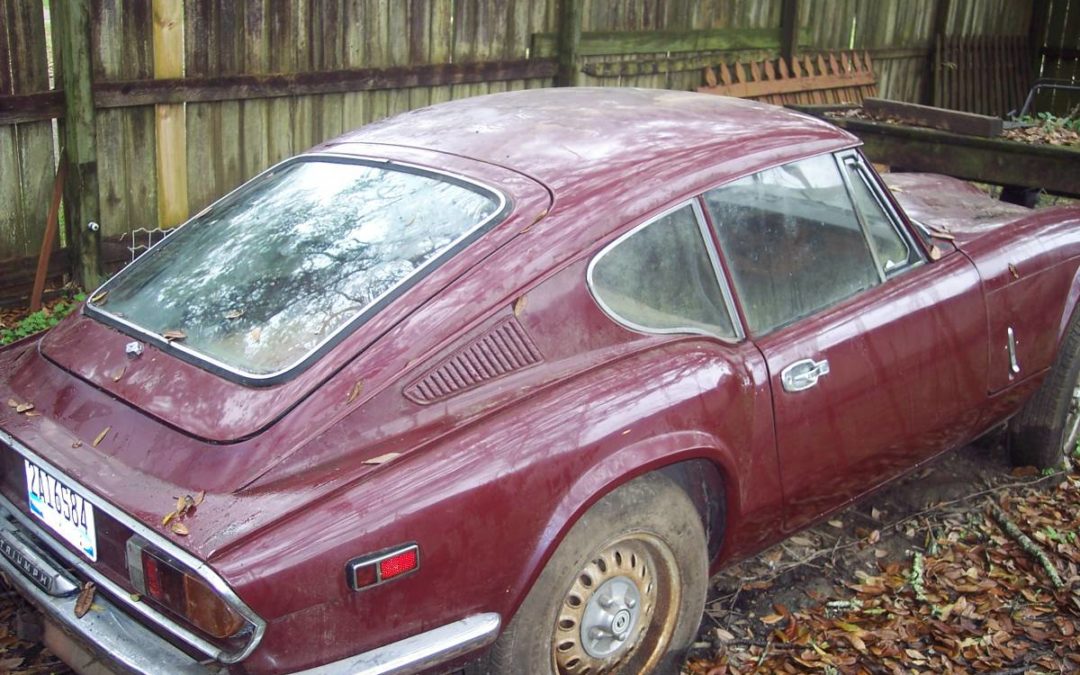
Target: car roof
561,135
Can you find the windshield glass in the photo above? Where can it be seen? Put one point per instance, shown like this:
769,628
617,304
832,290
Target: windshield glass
269,274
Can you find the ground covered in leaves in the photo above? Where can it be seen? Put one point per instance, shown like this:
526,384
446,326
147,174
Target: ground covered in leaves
921,578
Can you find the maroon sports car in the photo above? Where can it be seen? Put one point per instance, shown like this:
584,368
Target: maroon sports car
497,383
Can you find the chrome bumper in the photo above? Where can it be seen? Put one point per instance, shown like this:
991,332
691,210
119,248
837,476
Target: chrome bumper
419,652
109,633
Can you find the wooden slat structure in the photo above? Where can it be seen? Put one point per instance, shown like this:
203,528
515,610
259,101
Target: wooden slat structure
985,74
847,77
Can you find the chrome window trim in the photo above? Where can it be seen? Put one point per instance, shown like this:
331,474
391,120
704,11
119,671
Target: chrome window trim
123,596
718,274
361,316
854,158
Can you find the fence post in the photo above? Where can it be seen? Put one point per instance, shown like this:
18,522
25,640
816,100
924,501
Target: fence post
789,29
80,139
170,123
569,39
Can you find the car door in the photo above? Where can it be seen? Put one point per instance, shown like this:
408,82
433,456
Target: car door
876,355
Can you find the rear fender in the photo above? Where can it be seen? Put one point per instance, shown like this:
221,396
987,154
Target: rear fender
664,452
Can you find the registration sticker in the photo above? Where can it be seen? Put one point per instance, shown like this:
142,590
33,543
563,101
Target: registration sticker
63,509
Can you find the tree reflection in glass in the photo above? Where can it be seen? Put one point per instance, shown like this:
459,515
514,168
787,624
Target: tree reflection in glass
268,274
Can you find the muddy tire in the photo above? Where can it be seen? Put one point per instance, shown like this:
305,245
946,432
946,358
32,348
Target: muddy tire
623,593
1046,428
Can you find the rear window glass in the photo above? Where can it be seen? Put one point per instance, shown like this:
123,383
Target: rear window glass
269,274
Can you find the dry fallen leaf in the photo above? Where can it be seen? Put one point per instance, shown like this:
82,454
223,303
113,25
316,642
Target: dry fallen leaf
537,219
99,298
179,528
85,599
519,305
12,403
24,407
173,335
1013,271
100,437
199,498
234,314
255,334
168,517
33,413
118,373
76,444
355,392
383,459
184,504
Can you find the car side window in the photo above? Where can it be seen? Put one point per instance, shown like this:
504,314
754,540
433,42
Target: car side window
792,241
660,277
894,252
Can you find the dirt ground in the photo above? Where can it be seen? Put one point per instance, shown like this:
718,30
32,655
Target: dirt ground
779,611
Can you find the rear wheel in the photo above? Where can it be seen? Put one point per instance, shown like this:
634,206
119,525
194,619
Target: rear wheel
623,593
1045,432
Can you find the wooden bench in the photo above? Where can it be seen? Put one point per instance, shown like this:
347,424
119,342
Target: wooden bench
823,79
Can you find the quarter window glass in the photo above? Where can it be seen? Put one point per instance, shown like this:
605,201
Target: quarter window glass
660,278
792,241
892,250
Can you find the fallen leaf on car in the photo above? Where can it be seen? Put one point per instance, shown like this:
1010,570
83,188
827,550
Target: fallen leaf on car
383,459
234,314
76,444
179,528
99,298
537,219
85,599
355,392
1013,271
118,373
184,504
33,413
519,305
199,497
173,335
255,334
24,407
100,437
168,516
12,403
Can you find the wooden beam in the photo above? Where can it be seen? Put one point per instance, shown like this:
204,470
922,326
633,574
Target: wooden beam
789,29
48,240
955,121
18,108
568,42
545,45
81,197
988,160
170,123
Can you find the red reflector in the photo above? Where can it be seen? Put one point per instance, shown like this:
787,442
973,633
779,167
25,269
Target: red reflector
398,564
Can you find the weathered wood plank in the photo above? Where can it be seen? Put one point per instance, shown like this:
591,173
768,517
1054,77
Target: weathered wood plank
989,160
970,124
544,45
170,123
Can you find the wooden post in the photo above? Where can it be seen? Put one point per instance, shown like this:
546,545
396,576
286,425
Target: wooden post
933,80
170,123
80,138
789,29
569,39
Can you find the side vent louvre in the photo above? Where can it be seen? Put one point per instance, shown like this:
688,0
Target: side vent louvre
504,349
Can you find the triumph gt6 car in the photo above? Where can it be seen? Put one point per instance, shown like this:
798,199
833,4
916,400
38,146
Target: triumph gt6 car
496,384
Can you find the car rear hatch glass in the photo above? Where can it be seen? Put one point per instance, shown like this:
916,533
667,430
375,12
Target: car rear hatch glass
256,286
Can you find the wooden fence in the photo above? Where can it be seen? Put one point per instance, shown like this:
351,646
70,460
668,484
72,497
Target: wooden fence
191,97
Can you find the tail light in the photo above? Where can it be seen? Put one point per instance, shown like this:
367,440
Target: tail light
169,584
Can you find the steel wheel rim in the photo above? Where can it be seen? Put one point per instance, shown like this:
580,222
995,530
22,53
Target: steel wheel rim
620,611
1072,423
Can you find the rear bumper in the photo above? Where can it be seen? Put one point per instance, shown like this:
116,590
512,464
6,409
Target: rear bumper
123,643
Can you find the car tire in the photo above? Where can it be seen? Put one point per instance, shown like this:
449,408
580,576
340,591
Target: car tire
623,593
1045,430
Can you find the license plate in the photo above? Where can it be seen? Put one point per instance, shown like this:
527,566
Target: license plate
63,509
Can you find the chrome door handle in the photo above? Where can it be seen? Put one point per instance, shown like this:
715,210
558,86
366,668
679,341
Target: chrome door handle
804,374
